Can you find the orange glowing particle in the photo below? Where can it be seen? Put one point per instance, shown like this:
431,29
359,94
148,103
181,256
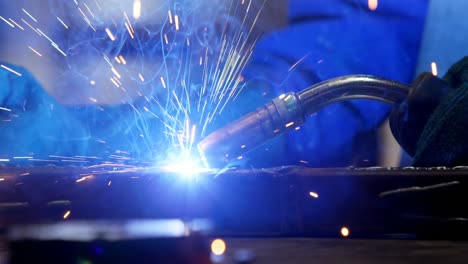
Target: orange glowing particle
67,214
344,231
218,247
372,4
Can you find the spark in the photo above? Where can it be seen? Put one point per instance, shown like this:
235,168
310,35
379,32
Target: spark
372,4
35,51
89,10
118,81
109,183
93,99
31,27
6,21
10,70
169,14
109,33
163,82
16,24
65,157
176,19
23,157
166,40
344,231
298,62
136,9
27,13
141,77
118,60
2,179
92,82
313,195
67,214
107,60
58,49
5,109
122,59
114,82
86,19
116,73
129,24
4,160
63,23
289,124
129,30
434,68
82,179
45,35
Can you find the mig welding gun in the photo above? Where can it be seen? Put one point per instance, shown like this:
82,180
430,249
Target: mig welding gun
428,118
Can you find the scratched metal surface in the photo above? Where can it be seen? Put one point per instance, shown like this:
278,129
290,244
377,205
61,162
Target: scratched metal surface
335,251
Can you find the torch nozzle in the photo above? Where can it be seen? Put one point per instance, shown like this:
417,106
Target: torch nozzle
289,111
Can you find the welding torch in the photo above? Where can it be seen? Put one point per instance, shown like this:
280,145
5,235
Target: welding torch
412,106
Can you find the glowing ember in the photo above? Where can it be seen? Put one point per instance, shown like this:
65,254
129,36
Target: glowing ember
218,247
344,231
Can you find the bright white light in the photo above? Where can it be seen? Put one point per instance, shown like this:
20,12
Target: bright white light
187,168
218,247
136,9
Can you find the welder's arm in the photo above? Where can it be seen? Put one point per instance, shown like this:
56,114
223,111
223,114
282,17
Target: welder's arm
33,122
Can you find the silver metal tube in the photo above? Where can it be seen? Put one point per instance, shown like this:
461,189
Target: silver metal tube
289,111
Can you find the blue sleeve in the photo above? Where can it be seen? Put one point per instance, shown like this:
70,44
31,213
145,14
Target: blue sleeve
32,122
332,38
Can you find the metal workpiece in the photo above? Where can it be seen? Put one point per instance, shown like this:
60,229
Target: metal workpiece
267,122
288,111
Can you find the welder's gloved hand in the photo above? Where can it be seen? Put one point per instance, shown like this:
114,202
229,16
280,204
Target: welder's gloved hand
323,41
32,122
444,140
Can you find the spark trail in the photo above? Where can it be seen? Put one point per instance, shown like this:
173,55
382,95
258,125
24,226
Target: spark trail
176,65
